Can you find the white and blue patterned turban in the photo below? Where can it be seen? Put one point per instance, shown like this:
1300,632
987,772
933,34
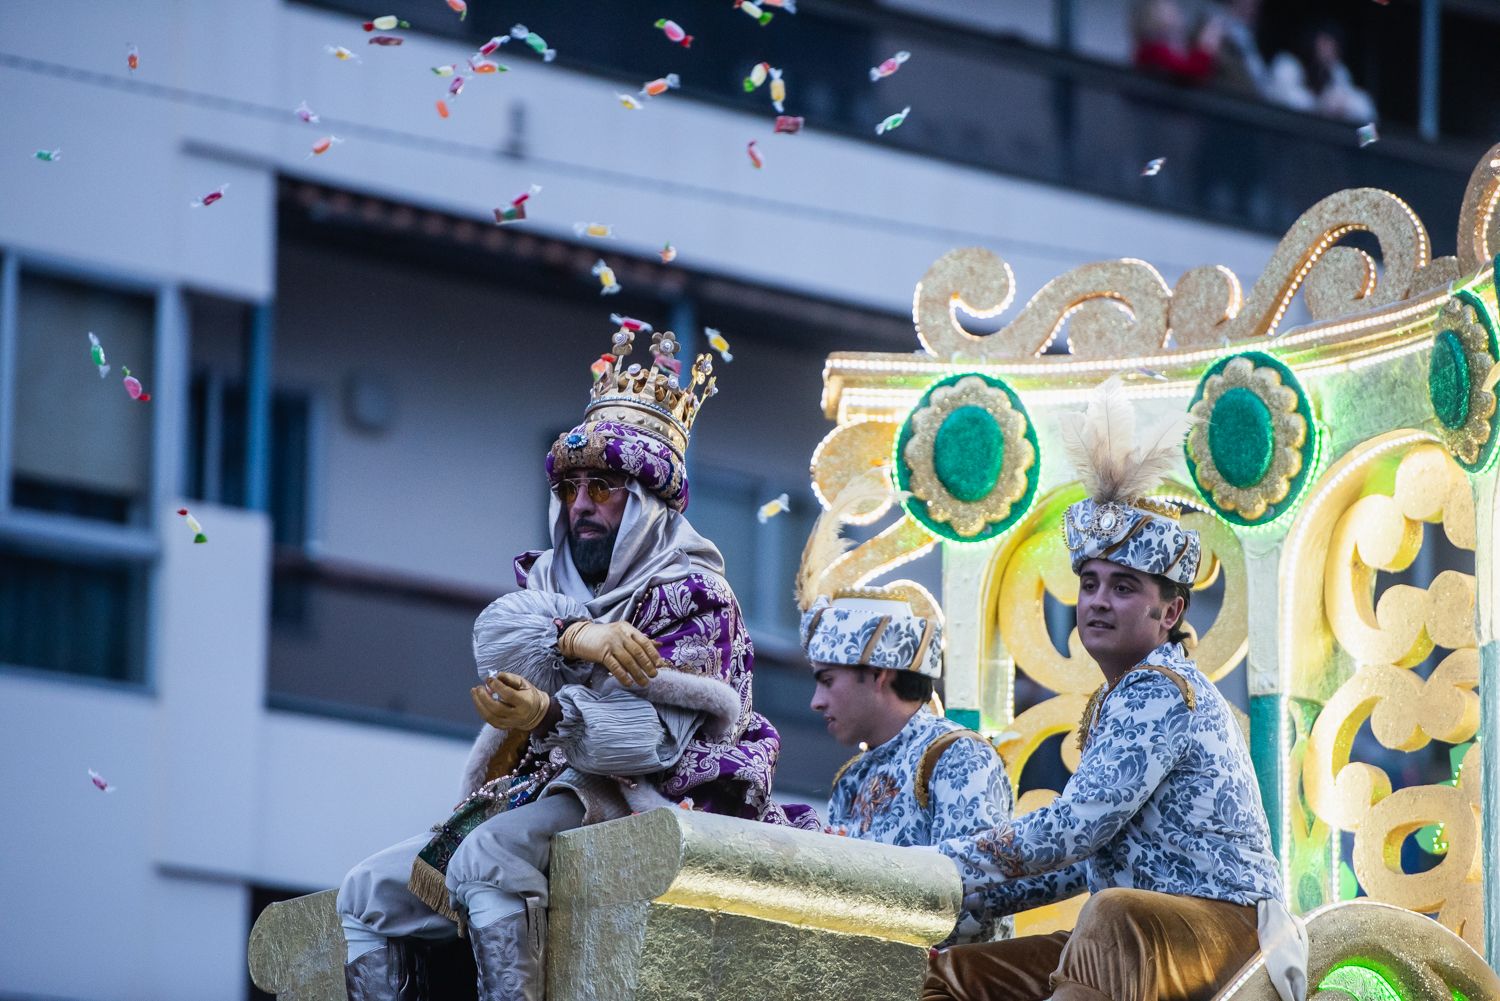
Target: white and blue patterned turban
1151,541
867,631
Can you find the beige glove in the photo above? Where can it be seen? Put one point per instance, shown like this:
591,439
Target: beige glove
620,648
510,702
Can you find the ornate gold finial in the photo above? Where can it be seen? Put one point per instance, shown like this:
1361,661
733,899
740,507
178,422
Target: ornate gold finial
651,396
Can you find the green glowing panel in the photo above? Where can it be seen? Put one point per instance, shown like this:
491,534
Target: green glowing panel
1448,380
1241,438
968,453
1360,983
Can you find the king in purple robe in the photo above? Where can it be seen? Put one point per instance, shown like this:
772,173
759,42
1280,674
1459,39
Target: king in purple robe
617,679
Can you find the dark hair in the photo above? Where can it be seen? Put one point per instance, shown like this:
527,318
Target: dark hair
1171,589
910,686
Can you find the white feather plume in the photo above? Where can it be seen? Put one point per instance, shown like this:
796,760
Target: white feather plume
826,544
1100,442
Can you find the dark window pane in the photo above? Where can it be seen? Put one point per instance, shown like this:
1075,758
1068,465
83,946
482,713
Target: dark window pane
73,617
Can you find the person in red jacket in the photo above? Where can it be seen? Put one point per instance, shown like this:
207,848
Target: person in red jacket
1161,47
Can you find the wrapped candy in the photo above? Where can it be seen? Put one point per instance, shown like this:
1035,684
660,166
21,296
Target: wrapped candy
211,197
789,124
668,253
306,114
790,6
340,53
459,7
601,365
96,354
893,121
386,22
598,230
489,47
193,526
674,33
718,343
133,58
888,67
456,87
778,91
323,146
758,74
764,17
516,210
772,508
133,387
1367,134
1153,167
538,44
387,40
442,108
629,101
484,67
99,782
756,160
661,85
631,324
448,70
48,155
606,275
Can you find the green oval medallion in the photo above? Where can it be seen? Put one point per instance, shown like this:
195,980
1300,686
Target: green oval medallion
1448,380
968,452
1241,437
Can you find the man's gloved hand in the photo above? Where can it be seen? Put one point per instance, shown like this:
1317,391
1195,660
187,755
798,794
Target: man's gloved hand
620,648
510,702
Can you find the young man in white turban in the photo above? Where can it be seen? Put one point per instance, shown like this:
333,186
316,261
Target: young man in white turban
1162,822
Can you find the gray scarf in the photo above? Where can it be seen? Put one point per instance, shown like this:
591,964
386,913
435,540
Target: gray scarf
655,545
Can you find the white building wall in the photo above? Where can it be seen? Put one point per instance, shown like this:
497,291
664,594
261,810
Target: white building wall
143,893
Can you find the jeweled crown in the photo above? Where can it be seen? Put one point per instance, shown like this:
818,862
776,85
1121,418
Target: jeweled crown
652,397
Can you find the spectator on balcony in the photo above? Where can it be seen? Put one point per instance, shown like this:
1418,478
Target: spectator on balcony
1240,68
1314,78
1161,43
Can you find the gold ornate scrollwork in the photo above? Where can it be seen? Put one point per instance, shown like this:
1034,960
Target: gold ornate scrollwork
1385,636
1478,221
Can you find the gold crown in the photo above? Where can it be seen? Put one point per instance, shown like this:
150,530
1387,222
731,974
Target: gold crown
651,397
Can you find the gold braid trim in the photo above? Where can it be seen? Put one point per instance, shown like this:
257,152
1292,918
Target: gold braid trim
1091,710
845,767
928,764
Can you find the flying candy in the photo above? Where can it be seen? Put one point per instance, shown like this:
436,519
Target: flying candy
790,124
631,324
674,33
790,6
890,66
778,91
772,508
537,43
456,87
48,155
1367,134
386,23
661,85
629,101
133,387
193,526
516,210
323,145
1147,373
606,276
758,74
764,17
601,365
133,58
718,343
756,159
484,66
1153,167
305,113
893,122
598,230
211,197
442,108
459,7
668,253
99,782
340,53
387,40
96,353
445,70
494,43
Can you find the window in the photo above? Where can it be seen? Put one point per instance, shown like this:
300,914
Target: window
71,616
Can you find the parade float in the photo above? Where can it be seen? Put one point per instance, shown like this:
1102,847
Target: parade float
1342,476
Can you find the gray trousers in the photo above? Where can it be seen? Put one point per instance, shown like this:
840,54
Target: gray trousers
508,853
